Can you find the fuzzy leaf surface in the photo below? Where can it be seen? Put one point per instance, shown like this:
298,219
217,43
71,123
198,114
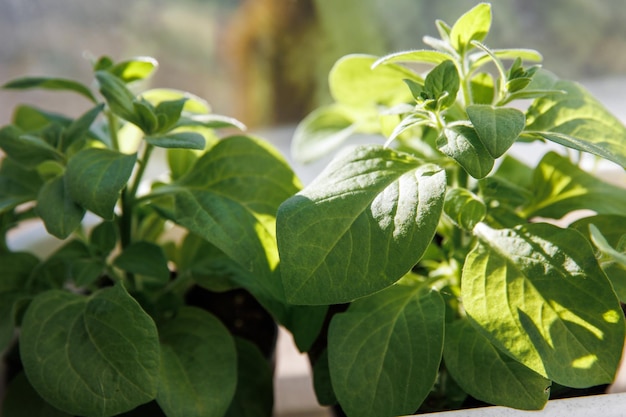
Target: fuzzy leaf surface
359,227
462,144
498,128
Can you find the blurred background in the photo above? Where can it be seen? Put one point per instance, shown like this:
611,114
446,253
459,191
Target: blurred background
266,61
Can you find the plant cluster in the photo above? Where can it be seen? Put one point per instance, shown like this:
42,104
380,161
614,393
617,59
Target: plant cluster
440,240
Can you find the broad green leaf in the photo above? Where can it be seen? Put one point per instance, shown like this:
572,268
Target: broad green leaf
59,213
17,184
488,374
180,161
371,213
384,352
21,400
86,271
168,113
560,187
99,356
538,293
144,258
135,69
118,96
464,208
178,140
79,128
424,56
321,132
462,144
230,198
577,120
16,269
59,84
26,149
442,83
474,25
482,88
96,177
198,365
30,118
255,386
497,127
353,82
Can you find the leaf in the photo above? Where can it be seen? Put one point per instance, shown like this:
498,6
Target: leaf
497,127
96,177
353,82
99,356
603,245
474,25
442,84
212,121
104,237
118,96
46,83
371,213
384,352
322,131
193,103
27,150
144,116
17,185
178,140
60,214
79,128
321,381
30,119
560,187
16,269
135,69
579,121
423,56
21,400
464,208
168,112
537,293
230,198
483,88
462,144
180,161
144,258
255,385
488,374
480,58
198,365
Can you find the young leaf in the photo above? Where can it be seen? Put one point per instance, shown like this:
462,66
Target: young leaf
134,69
58,84
178,140
96,177
60,214
524,288
168,113
577,120
144,258
384,352
488,374
100,356
371,213
498,128
560,187
423,56
464,208
462,144
144,116
79,128
198,365
442,84
474,25
118,96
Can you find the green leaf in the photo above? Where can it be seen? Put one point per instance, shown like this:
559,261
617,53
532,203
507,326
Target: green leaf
538,293
322,131
27,150
198,365
488,374
480,58
30,118
384,352
474,25
46,83
483,88
442,84
178,140
144,116
60,214
104,237
180,161
422,56
135,69
605,247
462,144
230,198
255,384
497,127
579,121
371,212
96,177
144,258
118,96
168,112
17,184
322,382
353,82
21,400
79,128
212,121
193,103
560,187
16,269
99,356
464,208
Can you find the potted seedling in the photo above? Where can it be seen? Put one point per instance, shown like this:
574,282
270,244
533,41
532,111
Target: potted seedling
437,249
125,317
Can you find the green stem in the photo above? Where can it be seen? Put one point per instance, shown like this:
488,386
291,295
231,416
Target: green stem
113,127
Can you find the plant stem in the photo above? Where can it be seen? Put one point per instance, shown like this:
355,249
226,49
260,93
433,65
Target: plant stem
113,127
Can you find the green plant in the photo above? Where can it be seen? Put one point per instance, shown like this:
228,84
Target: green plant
440,241
104,322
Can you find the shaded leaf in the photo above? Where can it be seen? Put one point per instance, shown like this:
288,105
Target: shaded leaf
21,400
178,140
60,214
464,208
497,127
144,258
46,83
462,144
